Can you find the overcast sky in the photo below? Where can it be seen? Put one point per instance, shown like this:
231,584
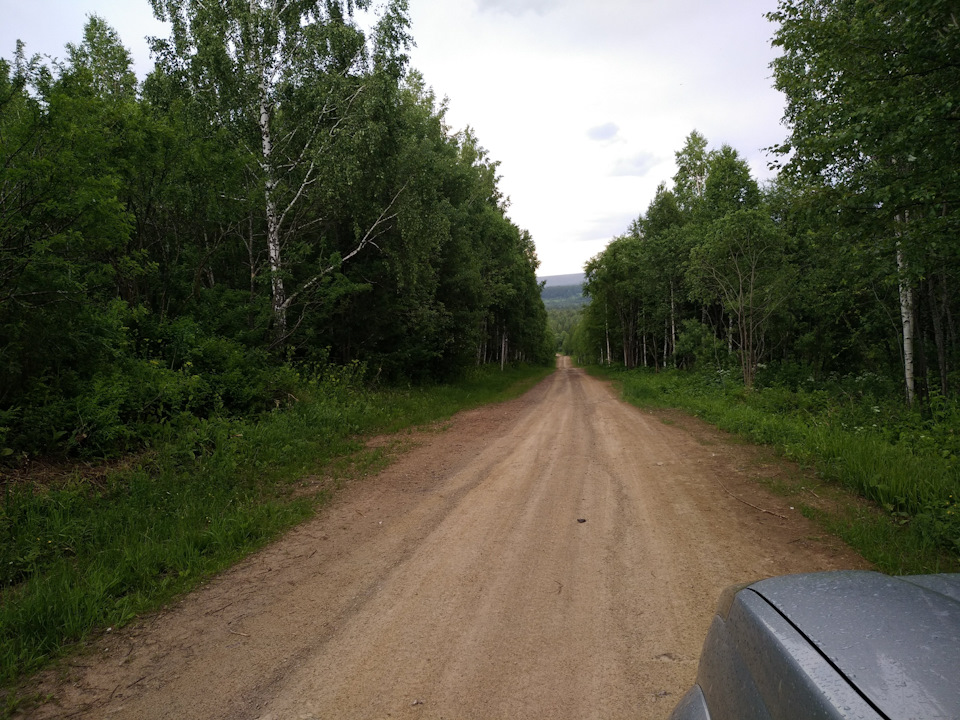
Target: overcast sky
583,102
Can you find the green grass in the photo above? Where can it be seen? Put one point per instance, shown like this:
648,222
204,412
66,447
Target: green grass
914,483
88,551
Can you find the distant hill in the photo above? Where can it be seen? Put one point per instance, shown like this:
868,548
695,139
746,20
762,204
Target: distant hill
560,280
563,291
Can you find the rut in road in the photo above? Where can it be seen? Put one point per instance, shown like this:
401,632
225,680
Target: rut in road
459,583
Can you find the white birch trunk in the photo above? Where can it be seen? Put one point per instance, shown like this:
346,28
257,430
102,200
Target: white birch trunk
607,331
906,317
273,219
666,342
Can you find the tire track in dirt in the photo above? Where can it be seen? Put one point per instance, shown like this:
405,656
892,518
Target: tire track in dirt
459,584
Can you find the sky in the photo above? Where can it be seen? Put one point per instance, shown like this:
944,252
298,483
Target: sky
582,102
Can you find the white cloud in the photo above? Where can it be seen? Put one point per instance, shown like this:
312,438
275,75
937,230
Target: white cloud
636,166
607,227
47,26
607,131
518,7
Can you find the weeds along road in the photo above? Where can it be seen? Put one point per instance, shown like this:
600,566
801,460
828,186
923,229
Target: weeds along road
461,583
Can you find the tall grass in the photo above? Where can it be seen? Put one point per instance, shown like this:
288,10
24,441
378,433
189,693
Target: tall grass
886,455
84,553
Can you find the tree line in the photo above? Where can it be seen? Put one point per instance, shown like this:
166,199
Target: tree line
846,263
280,192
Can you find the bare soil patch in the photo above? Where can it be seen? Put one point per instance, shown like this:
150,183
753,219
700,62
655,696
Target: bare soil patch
459,583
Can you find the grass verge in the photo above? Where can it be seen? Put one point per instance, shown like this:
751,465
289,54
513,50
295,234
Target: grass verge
912,524
86,551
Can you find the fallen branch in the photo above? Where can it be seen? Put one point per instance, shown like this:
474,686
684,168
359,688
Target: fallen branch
768,512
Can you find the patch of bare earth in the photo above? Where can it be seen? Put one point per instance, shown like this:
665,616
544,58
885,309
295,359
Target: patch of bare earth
556,556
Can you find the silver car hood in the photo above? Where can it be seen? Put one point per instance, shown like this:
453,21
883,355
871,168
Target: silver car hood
897,640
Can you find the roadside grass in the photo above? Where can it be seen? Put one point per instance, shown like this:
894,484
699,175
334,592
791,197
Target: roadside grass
911,523
87,552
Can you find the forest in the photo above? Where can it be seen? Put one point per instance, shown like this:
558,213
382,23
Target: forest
281,194
847,262
215,280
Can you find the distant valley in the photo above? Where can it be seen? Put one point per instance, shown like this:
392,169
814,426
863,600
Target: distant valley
561,292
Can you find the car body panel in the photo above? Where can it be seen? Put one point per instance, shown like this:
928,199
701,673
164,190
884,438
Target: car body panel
756,666
897,641
692,706
948,585
831,645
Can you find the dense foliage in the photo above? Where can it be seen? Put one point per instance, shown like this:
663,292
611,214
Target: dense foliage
848,263
280,192
563,322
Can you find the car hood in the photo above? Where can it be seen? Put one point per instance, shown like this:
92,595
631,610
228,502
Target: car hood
897,640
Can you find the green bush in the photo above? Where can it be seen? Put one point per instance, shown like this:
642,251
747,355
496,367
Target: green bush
698,346
161,374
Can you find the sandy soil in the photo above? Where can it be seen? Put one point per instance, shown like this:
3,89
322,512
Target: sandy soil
461,583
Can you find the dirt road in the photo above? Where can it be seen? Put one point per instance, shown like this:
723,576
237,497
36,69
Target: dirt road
460,582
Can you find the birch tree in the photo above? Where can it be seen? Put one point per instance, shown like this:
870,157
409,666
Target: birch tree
285,77
872,108
690,181
742,263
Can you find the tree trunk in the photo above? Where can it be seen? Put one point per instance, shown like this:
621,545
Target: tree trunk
606,325
656,351
951,329
503,349
906,319
673,325
666,342
936,315
273,218
252,260
748,360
